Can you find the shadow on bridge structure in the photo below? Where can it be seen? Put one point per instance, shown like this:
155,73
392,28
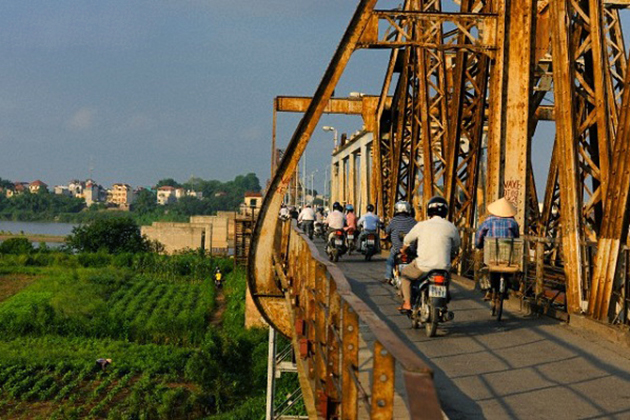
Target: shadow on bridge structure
465,86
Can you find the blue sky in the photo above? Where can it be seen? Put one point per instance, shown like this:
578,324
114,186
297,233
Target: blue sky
142,90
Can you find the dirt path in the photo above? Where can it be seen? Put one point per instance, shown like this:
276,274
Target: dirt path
11,284
216,318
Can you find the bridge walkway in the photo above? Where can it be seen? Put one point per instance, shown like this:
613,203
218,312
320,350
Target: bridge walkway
524,367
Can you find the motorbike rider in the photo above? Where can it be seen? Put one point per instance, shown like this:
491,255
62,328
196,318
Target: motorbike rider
307,219
284,212
351,218
368,223
335,219
401,223
437,242
499,224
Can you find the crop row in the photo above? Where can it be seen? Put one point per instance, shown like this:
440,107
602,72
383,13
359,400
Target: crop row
94,394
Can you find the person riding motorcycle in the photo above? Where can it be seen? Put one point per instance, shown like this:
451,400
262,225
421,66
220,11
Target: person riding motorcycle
437,243
368,223
401,223
307,219
284,212
351,218
335,219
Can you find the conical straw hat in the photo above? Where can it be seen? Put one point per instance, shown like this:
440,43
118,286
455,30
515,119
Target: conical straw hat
502,208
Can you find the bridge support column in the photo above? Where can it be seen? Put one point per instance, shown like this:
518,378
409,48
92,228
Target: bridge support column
364,178
352,179
509,139
343,181
334,181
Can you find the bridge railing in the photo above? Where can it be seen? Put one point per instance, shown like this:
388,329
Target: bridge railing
326,315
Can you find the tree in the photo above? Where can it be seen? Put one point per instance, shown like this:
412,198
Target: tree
113,235
168,182
145,202
5,184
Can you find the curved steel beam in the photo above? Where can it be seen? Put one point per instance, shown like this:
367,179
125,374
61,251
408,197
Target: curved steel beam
262,283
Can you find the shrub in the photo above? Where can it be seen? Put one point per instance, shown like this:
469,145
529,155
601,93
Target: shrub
16,246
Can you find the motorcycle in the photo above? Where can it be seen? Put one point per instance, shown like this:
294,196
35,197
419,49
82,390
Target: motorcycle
350,242
401,261
429,299
369,245
308,228
336,246
319,230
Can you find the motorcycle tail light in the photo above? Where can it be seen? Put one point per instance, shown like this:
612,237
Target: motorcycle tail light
339,233
371,237
439,279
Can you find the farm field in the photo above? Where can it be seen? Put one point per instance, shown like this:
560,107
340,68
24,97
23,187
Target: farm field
150,315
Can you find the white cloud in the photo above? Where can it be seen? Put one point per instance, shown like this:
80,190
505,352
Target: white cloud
83,119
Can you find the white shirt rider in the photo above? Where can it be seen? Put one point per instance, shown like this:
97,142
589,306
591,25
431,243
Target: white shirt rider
336,220
307,213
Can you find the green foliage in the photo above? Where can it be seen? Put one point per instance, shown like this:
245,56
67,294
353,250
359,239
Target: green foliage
40,206
16,246
168,182
113,236
151,317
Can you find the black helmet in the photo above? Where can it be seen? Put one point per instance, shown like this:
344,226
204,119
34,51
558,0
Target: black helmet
370,207
437,206
337,206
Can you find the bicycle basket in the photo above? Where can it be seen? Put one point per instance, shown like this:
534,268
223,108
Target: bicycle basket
503,254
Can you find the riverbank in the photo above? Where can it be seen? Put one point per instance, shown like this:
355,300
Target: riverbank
34,238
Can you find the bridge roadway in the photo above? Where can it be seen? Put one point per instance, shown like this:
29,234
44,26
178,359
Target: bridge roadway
524,367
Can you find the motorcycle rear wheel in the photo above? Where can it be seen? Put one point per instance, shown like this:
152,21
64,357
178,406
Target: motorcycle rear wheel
432,323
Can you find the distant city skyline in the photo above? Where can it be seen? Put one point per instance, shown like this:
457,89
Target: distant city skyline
135,91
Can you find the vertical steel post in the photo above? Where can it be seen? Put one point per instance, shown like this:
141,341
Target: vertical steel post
349,363
383,372
271,374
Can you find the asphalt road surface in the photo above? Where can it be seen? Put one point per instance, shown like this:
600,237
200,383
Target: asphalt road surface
525,367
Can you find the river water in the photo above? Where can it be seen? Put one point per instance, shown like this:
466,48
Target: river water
39,228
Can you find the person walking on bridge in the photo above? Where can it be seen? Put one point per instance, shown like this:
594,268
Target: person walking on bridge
499,224
398,227
437,241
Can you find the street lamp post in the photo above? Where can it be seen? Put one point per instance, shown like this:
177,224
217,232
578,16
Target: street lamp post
334,130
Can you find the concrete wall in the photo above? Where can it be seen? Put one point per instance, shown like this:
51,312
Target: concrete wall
175,236
211,232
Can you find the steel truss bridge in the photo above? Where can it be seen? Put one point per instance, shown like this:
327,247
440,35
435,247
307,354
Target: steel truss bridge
464,89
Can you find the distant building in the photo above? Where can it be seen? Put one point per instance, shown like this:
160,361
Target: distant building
251,203
121,195
76,188
93,193
166,195
17,189
62,190
37,186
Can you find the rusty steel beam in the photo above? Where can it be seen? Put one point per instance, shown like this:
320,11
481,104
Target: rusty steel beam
260,275
615,222
566,132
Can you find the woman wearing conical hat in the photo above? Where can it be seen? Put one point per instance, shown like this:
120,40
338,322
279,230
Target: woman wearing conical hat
499,224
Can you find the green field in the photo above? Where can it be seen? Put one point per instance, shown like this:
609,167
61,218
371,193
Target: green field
152,315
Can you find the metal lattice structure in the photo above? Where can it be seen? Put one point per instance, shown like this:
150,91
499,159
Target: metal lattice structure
463,91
